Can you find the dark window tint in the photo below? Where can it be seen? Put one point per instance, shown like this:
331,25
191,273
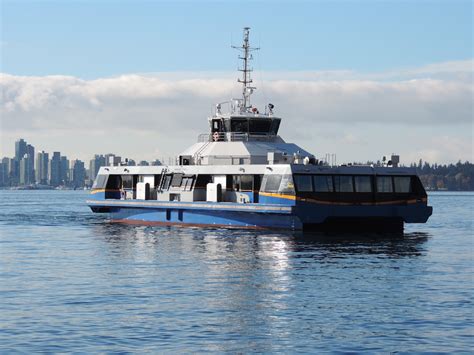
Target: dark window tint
176,182
287,186
239,125
402,184
202,181
157,180
303,183
363,183
343,183
187,183
259,125
384,184
323,183
275,126
127,181
100,181
246,183
273,183
166,182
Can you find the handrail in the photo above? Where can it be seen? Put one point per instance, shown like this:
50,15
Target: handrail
234,137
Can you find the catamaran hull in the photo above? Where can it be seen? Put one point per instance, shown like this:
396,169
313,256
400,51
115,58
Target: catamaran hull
229,215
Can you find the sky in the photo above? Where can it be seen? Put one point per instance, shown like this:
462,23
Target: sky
359,79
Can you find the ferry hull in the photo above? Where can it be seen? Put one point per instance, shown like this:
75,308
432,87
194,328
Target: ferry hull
228,215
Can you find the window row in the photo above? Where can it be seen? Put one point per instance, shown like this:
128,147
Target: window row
185,182
352,183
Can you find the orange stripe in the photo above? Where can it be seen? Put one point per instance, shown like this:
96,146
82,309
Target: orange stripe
95,191
271,194
322,202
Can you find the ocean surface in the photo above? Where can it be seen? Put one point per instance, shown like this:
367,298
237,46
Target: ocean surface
72,282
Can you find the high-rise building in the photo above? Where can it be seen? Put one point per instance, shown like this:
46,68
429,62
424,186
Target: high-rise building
20,149
112,160
30,153
41,170
3,173
78,173
6,166
25,177
94,165
55,169
64,171
13,171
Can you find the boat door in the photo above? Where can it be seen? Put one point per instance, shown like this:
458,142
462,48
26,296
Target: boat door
257,180
217,130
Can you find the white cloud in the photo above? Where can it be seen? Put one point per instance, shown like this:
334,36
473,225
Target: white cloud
143,115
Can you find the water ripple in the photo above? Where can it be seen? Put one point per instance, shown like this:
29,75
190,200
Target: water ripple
71,281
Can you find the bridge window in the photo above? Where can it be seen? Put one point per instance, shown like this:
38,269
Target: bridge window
363,183
323,183
303,183
239,125
343,183
275,126
259,125
402,184
384,184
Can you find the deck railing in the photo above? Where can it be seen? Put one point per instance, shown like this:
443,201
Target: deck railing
234,137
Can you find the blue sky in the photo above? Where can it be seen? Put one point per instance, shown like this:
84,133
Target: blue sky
359,79
90,39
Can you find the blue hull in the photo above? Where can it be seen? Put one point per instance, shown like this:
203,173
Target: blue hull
266,216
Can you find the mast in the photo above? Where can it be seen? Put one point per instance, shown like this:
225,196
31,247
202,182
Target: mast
246,80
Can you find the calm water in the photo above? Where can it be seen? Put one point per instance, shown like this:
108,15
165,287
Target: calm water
71,282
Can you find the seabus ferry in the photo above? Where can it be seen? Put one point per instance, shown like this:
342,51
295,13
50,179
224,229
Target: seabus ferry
243,174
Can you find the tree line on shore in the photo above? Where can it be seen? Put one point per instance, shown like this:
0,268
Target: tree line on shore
452,177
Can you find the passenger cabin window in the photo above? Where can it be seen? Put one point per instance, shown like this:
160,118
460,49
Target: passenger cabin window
343,183
240,182
113,182
127,181
402,184
273,183
384,184
202,181
303,183
363,183
187,182
100,182
176,181
323,183
166,182
246,183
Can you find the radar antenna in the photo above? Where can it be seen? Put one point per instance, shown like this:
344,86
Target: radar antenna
246,57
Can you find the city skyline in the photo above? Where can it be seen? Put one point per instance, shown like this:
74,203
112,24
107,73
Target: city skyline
389,78
26,168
